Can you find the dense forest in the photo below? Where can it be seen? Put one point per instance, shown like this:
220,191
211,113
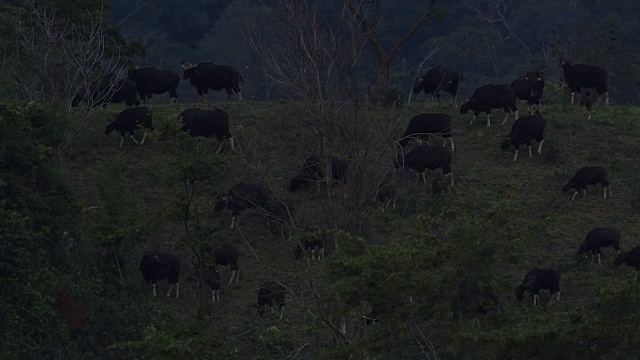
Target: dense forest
433,275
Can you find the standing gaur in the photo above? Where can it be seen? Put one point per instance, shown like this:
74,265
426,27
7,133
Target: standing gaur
244,196
207,75
228,254
425,124
270,294
530,88
588,98
426,157
157,266
580,76
205,123
539,279
598,238
588,175
437,79
129,120
315,240
488,97
524,131
150,80
386,194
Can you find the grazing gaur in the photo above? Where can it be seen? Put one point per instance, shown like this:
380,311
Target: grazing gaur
588,175
524,131
244,196
207,75
315,241
539,279
311,173
157,266
205,123
110,90
279,212
472,298
580,76
228,254
425,124
371,318
598,238
270,294
631,258
386,194
426,157
588,98
488,97
211,277
150,80
529,88
437,79
129,120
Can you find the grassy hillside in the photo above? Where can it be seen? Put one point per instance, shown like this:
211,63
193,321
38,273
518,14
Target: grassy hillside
501,217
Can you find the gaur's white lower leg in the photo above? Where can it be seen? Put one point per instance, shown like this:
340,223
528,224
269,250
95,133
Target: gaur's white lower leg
604,195
599,260
233,274
488,120
134,139
154,290
535,300
530,154
453,147
584,194
143,137
506,116
517,114
574,195
121,141
589,117
219,147
515,156
424,177
472,120
169,290
233,219
573,94
177,290
540,146
233,146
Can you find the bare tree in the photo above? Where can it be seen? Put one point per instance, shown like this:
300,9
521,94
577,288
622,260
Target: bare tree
59,59
384,59
314,52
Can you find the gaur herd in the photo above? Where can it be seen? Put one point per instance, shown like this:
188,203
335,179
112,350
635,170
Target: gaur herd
589,81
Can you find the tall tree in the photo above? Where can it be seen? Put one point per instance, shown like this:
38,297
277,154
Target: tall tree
383,58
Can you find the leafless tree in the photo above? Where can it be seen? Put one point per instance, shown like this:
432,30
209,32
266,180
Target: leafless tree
314,52
59,59
384,59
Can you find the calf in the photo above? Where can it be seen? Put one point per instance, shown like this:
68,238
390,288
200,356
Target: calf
580,76
211,277
129,120
244,196
310,244
228,254
202,122
588,175
539,279
157,266
488,97
438,79
524,131
588,98
598,238
424,124
631,258
426,157
386,194
271,293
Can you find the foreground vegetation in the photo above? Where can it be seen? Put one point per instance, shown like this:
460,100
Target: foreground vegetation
499,220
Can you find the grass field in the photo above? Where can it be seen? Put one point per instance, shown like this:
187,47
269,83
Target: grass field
534,223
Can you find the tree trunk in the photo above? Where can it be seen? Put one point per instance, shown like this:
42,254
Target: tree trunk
383,79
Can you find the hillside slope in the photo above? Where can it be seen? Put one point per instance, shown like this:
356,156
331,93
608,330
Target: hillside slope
499,220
